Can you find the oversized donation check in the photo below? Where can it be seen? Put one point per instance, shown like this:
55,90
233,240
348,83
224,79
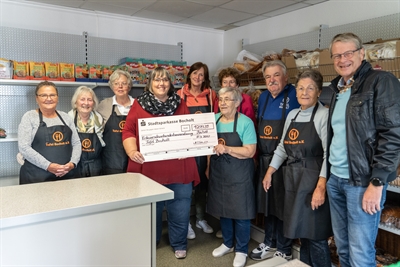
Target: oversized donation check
181,136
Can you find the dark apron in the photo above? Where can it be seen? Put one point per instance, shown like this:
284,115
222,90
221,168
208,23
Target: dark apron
269,136
305,156
54,144
114,158
231,190
90,162
202,160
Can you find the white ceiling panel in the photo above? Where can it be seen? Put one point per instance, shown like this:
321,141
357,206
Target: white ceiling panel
158,16
216,14
179,8
286,9
221,15
108,8
256,7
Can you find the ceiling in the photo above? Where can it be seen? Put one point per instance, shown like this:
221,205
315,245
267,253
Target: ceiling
214,14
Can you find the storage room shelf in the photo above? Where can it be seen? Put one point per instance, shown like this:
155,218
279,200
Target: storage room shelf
10,138
59,83
393,230
392,188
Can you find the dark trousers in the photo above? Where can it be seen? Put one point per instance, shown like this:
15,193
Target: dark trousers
315,253
274,237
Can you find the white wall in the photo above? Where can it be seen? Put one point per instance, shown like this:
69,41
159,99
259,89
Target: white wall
199,44
332,13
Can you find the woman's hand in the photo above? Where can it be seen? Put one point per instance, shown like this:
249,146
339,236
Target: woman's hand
221,149
318,197
137,157
267,181
60,170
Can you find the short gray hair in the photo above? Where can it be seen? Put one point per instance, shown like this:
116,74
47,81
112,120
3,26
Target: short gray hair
274,63
237,95
115,76
346,38
84,89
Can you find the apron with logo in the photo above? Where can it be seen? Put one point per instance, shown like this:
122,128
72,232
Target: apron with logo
270,133
114,158
301,174
90,162
202,160
54,144
231,190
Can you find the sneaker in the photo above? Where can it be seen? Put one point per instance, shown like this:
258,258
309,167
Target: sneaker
219,234
262,252
204,225
240,259
283,255
191,234
221,251
180,254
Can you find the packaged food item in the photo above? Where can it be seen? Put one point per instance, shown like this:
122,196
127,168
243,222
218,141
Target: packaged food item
179,73
81,71
148,65
21,70
67,71
95,71
36,70
135,68
6,68
51,71
106,72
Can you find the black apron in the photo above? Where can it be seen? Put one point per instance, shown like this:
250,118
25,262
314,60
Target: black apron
202,160
54,144
114,158
305,156
231,190
269,136
90,162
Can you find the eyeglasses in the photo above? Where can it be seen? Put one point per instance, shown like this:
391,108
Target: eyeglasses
123,84
308,89
161,80
44,96
225,100
346,55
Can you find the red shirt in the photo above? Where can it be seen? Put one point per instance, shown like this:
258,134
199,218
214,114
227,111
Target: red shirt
172,171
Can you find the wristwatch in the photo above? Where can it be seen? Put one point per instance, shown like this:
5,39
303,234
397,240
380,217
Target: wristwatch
376,182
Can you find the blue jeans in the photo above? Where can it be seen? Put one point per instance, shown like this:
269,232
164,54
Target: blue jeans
240,229
178,214
274,237
354,230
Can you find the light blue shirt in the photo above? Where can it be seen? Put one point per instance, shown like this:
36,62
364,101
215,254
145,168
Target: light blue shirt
245,128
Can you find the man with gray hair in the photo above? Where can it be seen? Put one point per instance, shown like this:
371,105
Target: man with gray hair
274,105
363,149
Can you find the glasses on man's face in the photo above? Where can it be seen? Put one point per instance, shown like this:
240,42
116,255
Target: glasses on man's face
45,96
159,80
346,55
123,84
225,100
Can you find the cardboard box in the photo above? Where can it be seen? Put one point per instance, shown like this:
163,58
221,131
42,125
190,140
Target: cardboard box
388,64
326,66
291,68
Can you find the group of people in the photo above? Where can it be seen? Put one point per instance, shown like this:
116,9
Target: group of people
322,168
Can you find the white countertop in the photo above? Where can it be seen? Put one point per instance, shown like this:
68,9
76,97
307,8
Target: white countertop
23,204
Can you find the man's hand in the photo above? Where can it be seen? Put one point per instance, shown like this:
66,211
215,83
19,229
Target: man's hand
371,202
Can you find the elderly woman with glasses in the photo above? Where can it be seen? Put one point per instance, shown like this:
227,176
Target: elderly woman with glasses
114,111
231,171
47,140
159,99
89,125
